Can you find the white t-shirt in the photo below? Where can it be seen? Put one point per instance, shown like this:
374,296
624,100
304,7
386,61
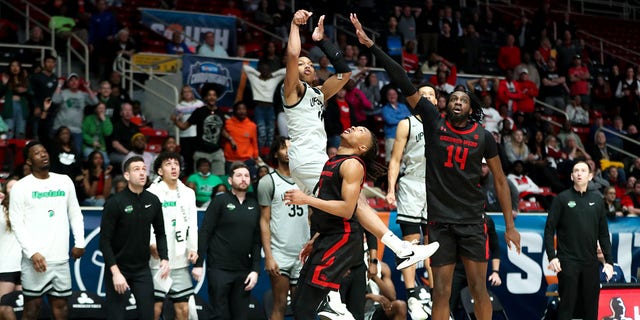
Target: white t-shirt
41,211
180,223
186,108
9,247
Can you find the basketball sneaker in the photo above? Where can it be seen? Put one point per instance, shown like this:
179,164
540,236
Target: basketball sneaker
415,253
332,308
417,309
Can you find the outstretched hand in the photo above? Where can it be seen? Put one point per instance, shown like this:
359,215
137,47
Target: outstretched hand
301,17
318,32
362,36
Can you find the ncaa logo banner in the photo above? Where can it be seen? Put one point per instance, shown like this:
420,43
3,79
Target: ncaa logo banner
225,75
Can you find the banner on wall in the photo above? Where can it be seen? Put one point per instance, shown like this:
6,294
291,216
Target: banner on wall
226,74
193,25
524,276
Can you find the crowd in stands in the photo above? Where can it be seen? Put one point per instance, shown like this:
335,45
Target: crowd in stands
536,57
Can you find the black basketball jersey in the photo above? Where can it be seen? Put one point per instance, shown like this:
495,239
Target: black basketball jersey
454,166
330,188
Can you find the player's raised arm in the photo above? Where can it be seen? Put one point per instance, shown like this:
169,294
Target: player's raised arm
332,85
293,87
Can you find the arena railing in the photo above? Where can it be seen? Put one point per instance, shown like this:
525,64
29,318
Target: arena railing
621,9
623,137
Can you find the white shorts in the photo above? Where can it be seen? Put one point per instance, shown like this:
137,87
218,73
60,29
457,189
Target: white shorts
56,281
412,200
290,266
307,175
181,287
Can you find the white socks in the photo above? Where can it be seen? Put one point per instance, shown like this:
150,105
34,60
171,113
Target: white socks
394,243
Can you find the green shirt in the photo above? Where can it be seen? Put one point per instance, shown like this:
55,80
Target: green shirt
204,186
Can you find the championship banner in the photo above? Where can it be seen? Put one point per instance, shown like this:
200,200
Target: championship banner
167,63
193,26
524,277
224,74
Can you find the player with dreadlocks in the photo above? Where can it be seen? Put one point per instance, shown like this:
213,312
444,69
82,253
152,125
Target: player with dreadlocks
456,143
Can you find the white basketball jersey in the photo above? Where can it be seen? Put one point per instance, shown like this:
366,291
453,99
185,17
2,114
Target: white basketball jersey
305,121
289,223
413,156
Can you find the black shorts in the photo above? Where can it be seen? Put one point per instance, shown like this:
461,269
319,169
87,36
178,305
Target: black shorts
13,277
467,240
410,228
331,257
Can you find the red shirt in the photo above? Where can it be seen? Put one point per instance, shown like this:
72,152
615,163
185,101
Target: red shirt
529,92
580,86
508,58
345,113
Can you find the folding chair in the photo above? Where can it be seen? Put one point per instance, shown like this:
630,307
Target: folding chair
467,304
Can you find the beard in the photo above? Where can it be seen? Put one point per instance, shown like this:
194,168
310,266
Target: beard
456,118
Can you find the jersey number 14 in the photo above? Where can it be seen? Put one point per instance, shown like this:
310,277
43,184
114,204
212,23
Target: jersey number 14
458,154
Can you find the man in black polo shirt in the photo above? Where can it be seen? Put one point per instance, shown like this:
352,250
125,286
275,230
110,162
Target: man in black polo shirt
123,131
124,240
230,239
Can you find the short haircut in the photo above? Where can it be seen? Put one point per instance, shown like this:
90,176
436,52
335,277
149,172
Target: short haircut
31,144
200,161
164,156
125,166
237,165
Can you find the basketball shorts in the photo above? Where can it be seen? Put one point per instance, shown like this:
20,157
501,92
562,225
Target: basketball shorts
307,175
181,287
466,240
289,265
56,281
412,200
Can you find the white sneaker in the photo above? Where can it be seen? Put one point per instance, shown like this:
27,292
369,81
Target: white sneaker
415,254
416,309
334,309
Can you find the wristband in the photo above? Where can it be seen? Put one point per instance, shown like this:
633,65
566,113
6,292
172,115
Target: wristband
374,260
495,271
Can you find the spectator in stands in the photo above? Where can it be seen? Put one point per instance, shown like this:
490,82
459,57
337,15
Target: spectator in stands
517,148
188,137
350,55
17,96
209,128
566,25
242,144
138,149
598,183
527,188
209,48
427,28
634,169
358,102
271,56
492,204
96,180
547,52
441,83
392,113
567,50
508,93
438,63
73,101
492,117
531,67
529,92
410,60
601,94
631,201
447,43
617,181
482,87
573,150
537,148
539,62
204,183
123,46
63,156
553,87
65,25
617,277
612,203
442,102
112,104
509,55
471,44
119,183
96,127
600,151
115,78
44,84
407,23
33,56
579,77
567,131
338,116
264,82
524,35
381,299
392,39
177,44
556,157
323,71
123,131
576,113
102,32
371,89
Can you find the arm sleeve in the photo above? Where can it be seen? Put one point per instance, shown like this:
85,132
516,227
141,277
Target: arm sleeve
550,227
16,215
372,241
206,229
158,230
76,219
335,56
396,73
110,216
